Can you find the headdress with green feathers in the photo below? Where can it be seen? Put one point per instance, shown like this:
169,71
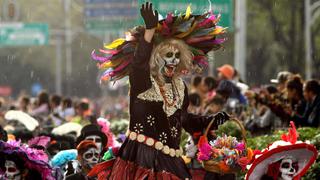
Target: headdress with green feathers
199,32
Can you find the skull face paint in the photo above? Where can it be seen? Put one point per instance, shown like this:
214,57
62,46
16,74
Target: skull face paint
90,158
97,140
171,60
288,168
12,171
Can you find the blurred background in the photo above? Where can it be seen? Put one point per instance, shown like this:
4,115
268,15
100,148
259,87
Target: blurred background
46,44
266,75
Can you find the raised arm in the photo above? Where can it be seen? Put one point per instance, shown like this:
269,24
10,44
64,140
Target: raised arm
140,73
150,18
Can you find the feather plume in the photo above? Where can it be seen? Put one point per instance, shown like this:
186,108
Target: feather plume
99,58
218,30
184,34
185,26
292,135
112,52
205,22
198,39
105,128
115,43
202,32
188,13
63,157
169,18
39,141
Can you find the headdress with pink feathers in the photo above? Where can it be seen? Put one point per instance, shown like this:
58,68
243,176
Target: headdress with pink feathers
199,32
33,158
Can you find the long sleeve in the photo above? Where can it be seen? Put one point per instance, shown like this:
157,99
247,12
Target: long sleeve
140,73
193,123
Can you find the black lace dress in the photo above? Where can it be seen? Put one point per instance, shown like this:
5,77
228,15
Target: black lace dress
152,150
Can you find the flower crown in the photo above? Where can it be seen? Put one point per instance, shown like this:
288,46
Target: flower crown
199,32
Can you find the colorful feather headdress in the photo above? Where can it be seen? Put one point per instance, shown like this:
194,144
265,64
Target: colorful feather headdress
200,32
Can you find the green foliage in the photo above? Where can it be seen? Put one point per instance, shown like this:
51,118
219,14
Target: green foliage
314,171
119,126
230,128
308,133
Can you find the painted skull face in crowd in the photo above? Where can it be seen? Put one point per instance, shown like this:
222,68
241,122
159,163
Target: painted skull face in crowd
12,171
171,60
96,139
90,157
288,168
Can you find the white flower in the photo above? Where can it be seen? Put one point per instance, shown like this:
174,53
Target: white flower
174,132
138,128
150,120
163,137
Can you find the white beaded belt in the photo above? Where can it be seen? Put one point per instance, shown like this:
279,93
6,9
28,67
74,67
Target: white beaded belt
158,145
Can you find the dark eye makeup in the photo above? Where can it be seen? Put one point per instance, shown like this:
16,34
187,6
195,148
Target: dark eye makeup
88,156
285,165
169,54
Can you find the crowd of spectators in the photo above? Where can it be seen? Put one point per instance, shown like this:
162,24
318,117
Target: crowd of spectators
261,109
64,120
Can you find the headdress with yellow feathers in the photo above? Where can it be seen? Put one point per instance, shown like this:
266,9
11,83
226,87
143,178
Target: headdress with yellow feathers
199,32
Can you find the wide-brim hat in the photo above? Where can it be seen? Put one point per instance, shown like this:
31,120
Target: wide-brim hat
90,130
31,158
305,154
29,122
67,128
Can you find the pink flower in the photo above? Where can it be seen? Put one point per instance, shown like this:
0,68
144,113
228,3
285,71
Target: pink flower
205,152
240,146
203,157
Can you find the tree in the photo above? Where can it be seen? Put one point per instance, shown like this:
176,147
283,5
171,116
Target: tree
276,38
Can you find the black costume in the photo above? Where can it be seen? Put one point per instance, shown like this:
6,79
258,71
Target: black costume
159,112
149,116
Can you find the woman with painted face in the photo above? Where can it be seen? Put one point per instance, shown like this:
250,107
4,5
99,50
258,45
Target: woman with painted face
284,159
88,156
19,162
15,170
155,57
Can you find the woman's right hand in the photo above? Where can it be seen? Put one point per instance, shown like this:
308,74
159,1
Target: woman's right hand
149,16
